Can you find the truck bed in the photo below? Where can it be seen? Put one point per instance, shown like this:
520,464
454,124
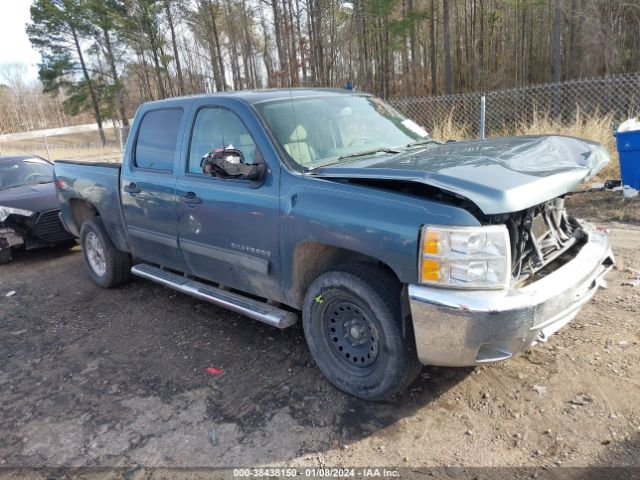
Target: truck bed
92,183
116,165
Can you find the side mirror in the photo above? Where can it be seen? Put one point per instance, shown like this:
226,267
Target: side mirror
254,171
229,163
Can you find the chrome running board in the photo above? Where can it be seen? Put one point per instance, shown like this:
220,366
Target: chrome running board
249,307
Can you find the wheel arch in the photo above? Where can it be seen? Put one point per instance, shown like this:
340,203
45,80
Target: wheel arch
311,259
81,210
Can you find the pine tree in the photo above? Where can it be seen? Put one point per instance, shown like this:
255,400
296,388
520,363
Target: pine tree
57,30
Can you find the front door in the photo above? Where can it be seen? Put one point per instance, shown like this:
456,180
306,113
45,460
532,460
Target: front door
147,188
228,228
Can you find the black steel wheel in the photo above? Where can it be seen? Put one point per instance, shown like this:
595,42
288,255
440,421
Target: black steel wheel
352,335
353,326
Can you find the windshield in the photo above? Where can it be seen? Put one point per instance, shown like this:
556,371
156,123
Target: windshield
334,128
29,171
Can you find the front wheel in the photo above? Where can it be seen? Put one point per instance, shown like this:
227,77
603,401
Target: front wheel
108,266
353,326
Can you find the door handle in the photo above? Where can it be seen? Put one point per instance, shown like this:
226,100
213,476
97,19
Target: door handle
190,198
132,188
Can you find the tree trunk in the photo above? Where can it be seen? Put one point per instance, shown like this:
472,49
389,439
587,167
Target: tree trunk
557,42
448,79
92,93
407,84
235,67
434,64
116,80
557,57
577,31
158,71
247,55
266,56
216,39
303,62
278,31
415,62
174,43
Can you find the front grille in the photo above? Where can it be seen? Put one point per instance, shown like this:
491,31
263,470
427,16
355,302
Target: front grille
539,236
539,228
48,228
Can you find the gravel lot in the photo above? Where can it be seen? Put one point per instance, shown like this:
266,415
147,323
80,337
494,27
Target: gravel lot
94,377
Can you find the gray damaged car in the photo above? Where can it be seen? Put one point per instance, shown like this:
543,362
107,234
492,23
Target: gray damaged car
29,209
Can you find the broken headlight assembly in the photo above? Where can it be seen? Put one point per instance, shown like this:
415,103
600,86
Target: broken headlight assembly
465,257
6,211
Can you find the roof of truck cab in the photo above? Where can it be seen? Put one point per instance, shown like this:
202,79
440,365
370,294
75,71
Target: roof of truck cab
257,96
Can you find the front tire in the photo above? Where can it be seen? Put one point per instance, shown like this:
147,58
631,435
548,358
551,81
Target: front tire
107,266
353,327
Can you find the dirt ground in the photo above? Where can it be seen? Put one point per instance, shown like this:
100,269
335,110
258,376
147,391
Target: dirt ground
94,377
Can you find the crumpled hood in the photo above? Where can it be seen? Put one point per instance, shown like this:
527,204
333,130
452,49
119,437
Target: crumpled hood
37,198
499,175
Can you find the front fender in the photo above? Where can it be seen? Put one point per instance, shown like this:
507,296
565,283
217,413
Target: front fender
380,224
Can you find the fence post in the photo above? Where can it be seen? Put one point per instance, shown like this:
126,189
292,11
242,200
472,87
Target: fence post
120,142
483,112
122,131
46,144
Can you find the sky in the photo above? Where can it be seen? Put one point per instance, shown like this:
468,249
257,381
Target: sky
14,43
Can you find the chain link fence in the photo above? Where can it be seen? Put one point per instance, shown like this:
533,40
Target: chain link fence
510,111
585,108
70,143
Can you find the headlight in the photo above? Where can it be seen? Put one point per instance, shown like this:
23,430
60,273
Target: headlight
465,257
6,211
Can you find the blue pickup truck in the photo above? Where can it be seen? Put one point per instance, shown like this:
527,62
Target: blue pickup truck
394,249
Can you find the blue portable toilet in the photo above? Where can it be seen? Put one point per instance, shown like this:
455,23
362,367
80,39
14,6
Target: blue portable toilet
628,144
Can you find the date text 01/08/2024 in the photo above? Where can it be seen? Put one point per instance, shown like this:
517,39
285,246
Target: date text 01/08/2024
317,472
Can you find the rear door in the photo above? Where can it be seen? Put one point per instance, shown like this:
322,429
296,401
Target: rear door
147,187
228,228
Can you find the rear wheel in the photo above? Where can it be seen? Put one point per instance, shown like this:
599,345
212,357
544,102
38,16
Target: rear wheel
5,255
5,251
353,326
108,266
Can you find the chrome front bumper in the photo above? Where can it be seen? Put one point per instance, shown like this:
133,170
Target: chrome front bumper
467,327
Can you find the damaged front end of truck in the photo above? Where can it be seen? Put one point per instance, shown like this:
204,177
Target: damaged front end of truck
486,292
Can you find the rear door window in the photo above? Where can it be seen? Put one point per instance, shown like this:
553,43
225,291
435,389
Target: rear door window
157,143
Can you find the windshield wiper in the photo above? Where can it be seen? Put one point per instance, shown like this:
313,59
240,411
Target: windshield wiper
370,152
426,141
364,153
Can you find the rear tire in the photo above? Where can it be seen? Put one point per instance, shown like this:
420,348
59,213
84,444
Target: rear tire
5,255
353,327
107,266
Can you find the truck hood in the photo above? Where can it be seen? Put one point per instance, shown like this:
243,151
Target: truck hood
500,175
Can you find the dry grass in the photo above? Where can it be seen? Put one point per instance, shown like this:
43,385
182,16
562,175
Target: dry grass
75,146
87,154
451,130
